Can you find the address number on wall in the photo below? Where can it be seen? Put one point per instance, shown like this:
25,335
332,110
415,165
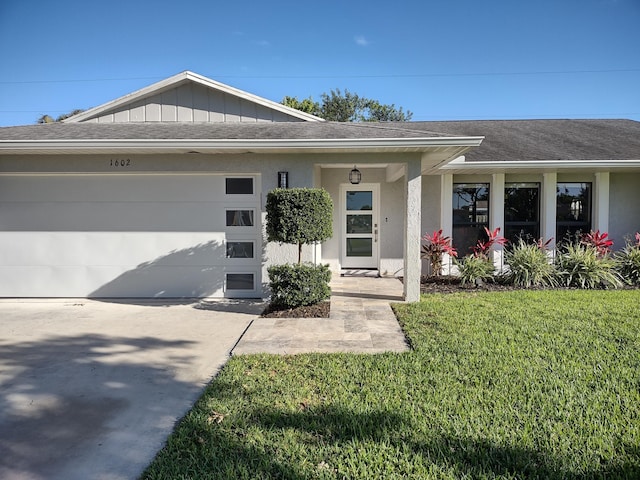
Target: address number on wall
120,162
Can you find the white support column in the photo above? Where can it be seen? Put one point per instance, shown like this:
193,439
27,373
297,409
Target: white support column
412,235
317,183
601,203
496,215
548,208
446,215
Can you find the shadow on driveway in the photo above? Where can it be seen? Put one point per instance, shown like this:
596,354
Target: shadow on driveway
91,390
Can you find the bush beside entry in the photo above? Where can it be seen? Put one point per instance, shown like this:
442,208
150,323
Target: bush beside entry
299,216
298,285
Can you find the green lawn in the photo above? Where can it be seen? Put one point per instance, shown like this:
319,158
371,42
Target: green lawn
540,384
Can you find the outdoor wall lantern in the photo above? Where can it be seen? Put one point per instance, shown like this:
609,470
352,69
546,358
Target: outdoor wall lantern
283,179
355,176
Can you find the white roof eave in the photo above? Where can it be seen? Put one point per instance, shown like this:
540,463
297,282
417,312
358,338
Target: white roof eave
234,145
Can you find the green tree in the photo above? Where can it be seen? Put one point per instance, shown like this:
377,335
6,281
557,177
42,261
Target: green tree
337,106
50,119
308,105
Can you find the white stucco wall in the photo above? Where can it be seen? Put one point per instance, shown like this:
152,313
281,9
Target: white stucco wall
624,218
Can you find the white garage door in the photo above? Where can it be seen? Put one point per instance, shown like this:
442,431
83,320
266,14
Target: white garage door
136,236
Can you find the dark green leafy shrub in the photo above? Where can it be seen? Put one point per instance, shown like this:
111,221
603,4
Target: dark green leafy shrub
581,265
298,285
475,269
299,216
529,266
628,262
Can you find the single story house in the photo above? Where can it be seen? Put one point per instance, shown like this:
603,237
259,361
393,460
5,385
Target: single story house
161,193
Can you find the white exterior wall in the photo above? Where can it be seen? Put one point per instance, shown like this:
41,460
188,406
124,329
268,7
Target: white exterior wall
624,204
192,102
431,205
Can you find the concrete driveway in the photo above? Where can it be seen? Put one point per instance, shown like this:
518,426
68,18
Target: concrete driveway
91,390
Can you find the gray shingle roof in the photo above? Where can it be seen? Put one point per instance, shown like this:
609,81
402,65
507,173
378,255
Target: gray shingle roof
213,131
505,140
530,140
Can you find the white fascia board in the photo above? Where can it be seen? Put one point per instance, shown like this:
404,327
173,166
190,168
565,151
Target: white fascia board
411,144
182,77
460,164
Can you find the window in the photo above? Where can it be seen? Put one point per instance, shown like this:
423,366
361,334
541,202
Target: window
239,218
573,209
239,249
239,186
470,214
239,281
521,211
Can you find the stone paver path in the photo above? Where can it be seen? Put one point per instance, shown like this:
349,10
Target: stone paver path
361,321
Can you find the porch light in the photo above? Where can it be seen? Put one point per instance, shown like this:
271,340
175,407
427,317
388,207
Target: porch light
283,179
355,176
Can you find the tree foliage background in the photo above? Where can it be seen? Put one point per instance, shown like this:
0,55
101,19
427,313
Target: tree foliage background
337,106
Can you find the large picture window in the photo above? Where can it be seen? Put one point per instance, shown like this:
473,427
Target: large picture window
521,211
573,209
470,215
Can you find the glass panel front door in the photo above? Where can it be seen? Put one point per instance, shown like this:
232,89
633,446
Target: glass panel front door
360,231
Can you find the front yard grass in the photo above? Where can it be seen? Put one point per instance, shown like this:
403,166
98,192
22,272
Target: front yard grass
522,384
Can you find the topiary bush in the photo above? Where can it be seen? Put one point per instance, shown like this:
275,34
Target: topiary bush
529,266
299,285
299,216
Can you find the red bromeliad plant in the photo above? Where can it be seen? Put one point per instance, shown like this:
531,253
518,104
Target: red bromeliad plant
435,246
482,248
599,241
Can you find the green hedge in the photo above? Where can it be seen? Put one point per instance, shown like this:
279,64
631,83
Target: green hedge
297,285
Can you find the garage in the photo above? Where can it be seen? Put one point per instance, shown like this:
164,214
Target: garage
130,235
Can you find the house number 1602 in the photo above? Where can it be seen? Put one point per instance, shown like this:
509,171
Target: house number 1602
126,162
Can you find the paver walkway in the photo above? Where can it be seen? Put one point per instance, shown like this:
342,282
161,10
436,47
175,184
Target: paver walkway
361,321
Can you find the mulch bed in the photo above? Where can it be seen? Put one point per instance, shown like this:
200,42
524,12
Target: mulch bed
319,310
450,284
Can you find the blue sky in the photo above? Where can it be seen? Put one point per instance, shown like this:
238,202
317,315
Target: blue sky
443,60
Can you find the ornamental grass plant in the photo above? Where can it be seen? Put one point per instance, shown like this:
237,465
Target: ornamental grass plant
580,265
529,265
628,262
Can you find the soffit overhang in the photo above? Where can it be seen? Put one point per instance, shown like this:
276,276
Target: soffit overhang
445,147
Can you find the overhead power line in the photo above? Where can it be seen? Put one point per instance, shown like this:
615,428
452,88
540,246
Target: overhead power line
339,76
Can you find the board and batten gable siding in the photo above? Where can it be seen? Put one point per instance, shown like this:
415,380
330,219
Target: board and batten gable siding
191,102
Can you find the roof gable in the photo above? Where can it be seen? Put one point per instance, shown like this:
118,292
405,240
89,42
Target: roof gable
189,97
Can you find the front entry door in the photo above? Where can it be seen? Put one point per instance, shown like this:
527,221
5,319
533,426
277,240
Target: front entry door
360,226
